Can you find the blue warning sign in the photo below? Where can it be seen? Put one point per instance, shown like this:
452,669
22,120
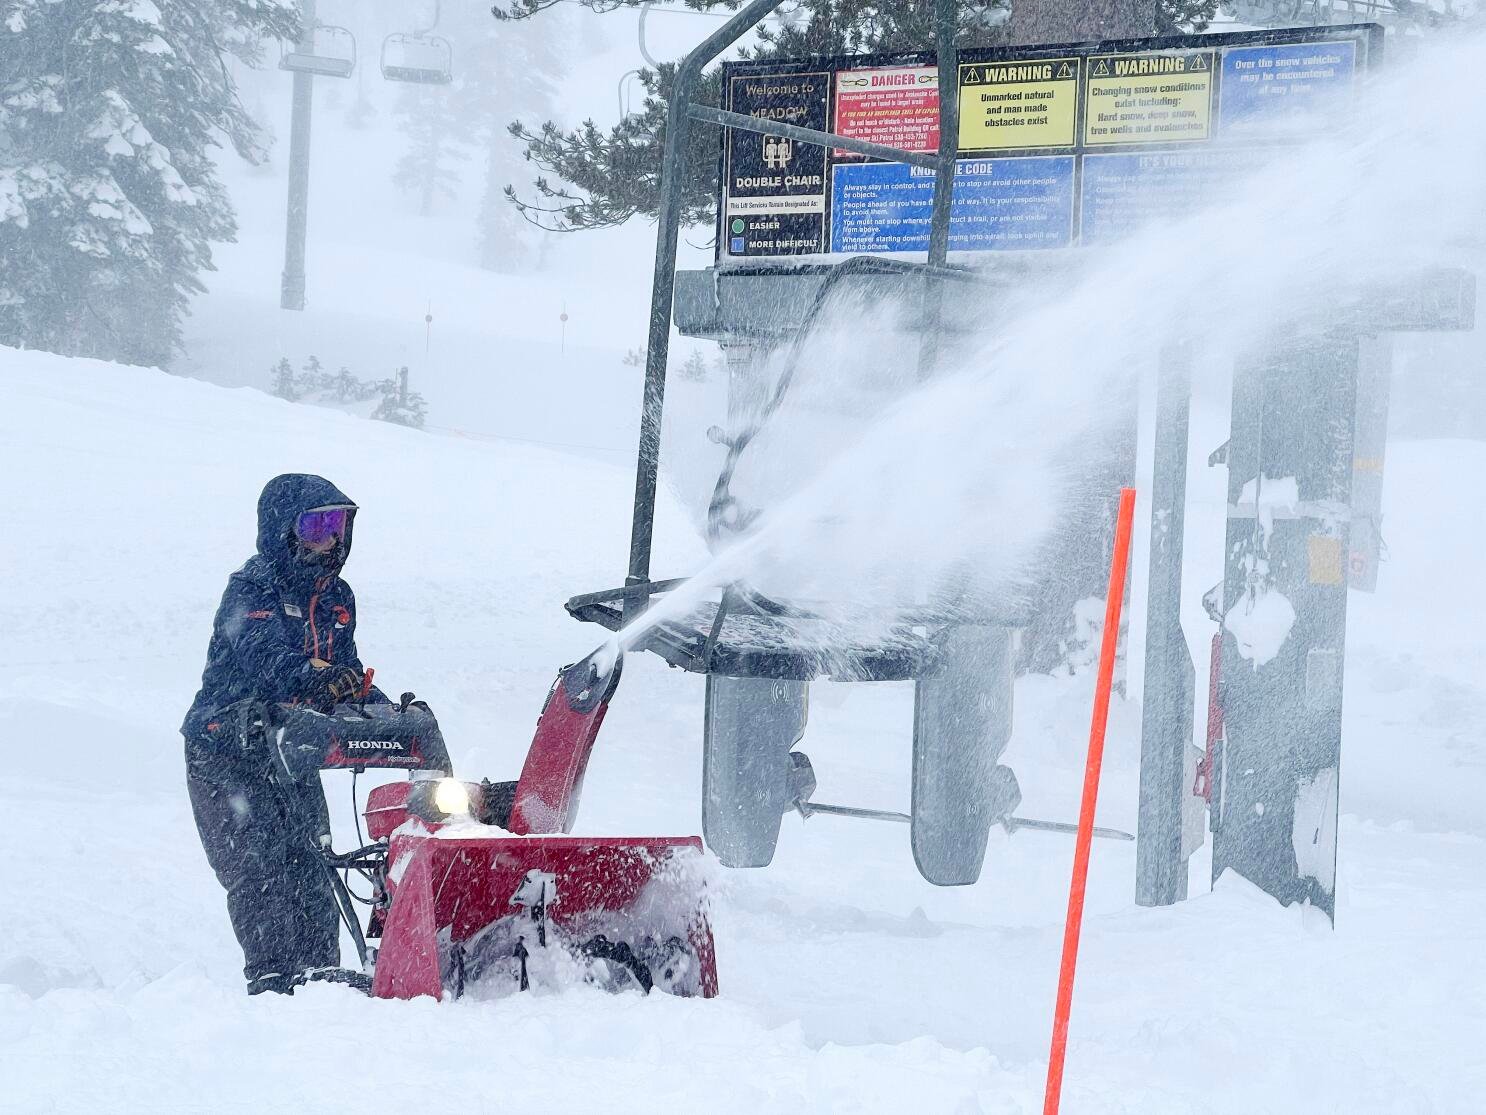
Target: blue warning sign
1121,193
1296,88
999,204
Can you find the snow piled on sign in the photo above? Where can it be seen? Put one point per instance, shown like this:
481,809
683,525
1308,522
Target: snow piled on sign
1260,621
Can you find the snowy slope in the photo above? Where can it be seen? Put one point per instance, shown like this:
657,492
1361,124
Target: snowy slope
848,983
497,359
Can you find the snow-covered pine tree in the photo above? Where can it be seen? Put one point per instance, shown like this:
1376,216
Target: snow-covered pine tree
501,70
408,410
693,368
109,201
511,71
435,145
282,381
313,378
400,405
348,388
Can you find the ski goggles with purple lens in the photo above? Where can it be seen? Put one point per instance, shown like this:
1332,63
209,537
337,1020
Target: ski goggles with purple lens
318,526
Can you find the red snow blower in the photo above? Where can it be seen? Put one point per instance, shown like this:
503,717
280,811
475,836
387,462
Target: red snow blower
475,889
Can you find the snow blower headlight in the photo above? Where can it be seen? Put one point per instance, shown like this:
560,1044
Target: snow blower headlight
437,801
451,798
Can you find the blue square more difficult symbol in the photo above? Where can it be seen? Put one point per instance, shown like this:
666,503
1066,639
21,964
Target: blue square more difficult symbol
736,244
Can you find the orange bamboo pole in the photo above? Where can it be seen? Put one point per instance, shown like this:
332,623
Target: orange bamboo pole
1074,925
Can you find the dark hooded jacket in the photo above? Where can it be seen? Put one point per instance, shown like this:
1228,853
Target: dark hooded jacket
280,610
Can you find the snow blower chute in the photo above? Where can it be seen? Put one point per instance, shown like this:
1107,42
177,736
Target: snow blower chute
476,889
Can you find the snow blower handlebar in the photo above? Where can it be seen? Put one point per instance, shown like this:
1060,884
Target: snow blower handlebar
402,736
299,741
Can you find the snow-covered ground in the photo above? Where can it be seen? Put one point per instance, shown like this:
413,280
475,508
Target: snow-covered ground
848,984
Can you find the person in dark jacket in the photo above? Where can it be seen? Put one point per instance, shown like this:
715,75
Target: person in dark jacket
284,632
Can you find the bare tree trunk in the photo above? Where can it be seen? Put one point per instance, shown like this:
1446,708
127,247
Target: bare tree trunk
1071,21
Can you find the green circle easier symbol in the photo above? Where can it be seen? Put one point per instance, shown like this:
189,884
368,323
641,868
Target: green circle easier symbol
738,226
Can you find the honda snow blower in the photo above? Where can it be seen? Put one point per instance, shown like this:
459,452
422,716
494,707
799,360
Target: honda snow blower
475,889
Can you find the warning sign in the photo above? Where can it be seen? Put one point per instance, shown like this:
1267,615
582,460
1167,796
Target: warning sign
1018,104
1122,192
898,107
1149,98
1286,89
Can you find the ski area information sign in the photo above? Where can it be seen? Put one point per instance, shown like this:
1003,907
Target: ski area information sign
1059,145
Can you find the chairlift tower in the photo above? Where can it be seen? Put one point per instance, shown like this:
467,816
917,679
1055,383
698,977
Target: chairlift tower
322,51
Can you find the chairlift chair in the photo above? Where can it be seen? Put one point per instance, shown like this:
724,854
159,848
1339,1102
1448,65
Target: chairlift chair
333,54
419,58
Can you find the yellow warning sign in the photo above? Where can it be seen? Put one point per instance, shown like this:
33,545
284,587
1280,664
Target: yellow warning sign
1018,104
1324,559
1149,98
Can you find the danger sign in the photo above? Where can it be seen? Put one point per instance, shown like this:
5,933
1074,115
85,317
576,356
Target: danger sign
897,106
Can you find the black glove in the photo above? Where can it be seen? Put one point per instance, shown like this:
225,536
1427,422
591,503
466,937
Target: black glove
239,727
331,685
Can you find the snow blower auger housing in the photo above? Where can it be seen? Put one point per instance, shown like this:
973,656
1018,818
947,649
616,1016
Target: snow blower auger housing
475,888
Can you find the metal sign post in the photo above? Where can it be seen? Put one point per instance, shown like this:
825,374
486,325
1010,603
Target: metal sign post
1170,677
944,183
1285,614
1308,429
663,286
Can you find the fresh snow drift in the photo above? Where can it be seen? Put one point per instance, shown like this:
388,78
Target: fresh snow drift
847,982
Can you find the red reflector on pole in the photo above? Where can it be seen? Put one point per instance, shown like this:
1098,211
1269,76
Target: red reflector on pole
1112,607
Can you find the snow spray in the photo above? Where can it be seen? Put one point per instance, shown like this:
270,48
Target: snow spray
873,485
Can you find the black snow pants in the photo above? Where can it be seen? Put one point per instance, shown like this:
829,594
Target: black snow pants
260,846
